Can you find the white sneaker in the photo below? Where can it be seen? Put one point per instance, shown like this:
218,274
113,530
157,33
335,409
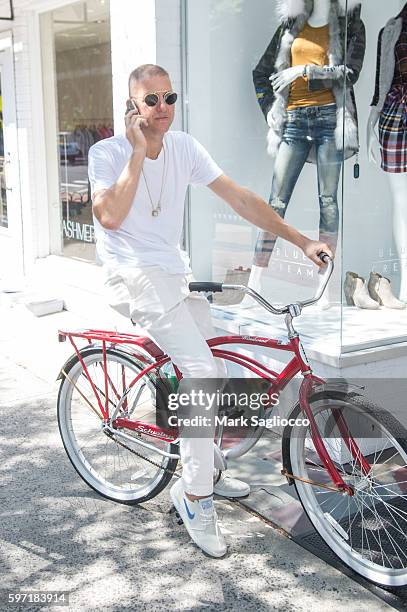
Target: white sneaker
200,520
231,487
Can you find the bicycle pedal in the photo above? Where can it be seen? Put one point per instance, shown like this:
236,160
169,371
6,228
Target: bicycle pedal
178,518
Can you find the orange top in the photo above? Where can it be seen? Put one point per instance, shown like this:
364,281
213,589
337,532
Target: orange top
310,47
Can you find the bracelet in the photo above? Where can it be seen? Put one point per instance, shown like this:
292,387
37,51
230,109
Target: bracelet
305,72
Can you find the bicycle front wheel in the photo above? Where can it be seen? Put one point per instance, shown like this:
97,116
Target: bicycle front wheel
117,468
368,531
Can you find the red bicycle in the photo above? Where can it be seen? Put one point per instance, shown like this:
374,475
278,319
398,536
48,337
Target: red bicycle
347,459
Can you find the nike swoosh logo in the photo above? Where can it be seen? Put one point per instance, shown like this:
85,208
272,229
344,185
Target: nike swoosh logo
190,516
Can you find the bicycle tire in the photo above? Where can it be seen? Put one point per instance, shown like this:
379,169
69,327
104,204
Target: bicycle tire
86,471
379,528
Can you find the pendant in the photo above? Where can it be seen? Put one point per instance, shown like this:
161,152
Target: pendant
156,211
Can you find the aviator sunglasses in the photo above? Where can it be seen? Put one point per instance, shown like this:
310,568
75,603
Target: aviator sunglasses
152,99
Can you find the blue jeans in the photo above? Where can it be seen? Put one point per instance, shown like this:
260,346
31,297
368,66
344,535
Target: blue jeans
305,127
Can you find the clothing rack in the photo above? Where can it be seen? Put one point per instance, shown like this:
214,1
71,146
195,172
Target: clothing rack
94,120
87,122
84,135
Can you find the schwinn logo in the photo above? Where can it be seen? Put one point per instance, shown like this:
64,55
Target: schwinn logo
155,434
255,339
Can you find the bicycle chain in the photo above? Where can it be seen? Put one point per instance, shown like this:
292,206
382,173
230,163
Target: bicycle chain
166,470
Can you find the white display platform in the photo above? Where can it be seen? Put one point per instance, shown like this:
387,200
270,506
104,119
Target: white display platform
331,332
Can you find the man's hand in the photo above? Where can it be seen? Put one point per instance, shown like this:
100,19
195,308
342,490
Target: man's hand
134,133
281,80
313,249
111,206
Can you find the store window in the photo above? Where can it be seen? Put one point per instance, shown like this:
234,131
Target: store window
233,48
336,167
83,73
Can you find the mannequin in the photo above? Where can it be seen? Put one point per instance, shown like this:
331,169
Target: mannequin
320,14
318,18
391,92
308,96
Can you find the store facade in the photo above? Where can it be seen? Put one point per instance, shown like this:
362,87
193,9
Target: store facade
70,63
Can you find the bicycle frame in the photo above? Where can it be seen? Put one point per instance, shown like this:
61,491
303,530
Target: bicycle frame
153,359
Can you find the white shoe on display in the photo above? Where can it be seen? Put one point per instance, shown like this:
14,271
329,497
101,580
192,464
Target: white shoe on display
200,520
380,290
227,486
357,293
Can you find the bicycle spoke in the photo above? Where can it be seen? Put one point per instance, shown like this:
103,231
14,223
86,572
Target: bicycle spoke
350,525
355,516
404,467
399,510
398,530
393,541
387,460
388,534
394,484
362,517
378,533
393,510
363,525
81,448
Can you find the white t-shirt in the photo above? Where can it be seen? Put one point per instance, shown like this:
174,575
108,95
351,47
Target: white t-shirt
144,240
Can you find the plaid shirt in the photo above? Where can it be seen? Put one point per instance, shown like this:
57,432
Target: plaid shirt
400,71
400,75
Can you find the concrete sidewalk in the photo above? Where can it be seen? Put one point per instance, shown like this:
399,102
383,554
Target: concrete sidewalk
57,534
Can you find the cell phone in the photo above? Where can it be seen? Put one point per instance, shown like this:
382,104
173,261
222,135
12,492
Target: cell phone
131,106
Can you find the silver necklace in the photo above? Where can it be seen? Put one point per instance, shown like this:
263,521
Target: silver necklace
155,210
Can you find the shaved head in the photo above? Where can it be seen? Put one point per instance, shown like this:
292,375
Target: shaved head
146,71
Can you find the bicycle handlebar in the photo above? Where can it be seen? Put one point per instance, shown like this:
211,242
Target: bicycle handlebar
208,287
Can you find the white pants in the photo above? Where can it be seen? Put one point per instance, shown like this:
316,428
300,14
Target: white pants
179,322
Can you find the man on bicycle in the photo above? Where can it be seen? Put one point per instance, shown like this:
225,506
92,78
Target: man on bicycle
139,181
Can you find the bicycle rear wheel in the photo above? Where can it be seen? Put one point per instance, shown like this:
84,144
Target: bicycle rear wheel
118,469
368,531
